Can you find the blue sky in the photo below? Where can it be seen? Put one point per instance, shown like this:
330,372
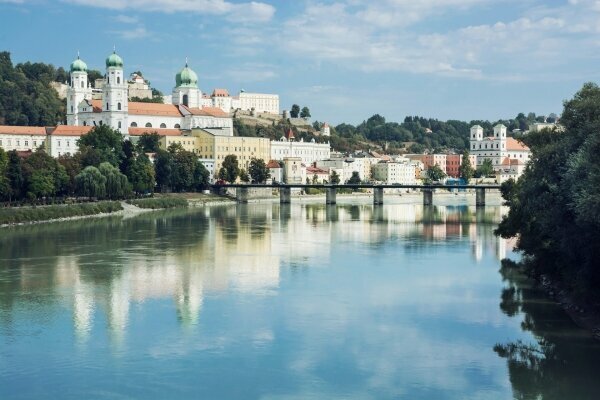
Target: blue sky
345,59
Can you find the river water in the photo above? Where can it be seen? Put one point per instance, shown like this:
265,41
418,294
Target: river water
264,301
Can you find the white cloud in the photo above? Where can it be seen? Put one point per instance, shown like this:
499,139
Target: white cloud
135,33
252,72
126,19
240,12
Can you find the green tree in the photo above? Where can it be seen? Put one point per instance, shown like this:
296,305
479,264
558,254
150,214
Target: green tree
117,185
231,167
244,177
354,179
465,171
163,167
182,176
305,113
259,171
14,173
72,166
107,142
40,184
149,142
91,183
201,176
142,175
335,178
435,173
44,176
4,182
485,169
295,111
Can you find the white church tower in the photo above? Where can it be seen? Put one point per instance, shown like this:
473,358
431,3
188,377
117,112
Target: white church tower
476,137
114,95
186,91
78,90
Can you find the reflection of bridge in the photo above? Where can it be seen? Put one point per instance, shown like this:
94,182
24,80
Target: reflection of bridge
285,191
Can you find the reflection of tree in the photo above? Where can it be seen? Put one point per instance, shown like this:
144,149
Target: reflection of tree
564,361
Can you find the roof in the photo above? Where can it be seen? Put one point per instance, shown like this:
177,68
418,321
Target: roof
514,145
159,131
207,111
96,104
315,170
290,134
23,130
273,164
220,93
70,130
158,109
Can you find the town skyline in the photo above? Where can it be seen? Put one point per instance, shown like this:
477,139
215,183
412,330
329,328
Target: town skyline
459,59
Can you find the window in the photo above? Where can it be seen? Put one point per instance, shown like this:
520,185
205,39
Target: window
119,125
71,108
119,106
148,125
82,84
133,125
118,79
177,126
163,125
84,123
107,106
26,143
185,100
58,143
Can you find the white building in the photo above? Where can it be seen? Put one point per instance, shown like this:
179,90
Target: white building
309,152
62,140
115,110
259,102
507,154
22,138
325,130
394,173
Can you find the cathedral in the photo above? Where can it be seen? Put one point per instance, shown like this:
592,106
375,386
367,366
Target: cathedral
187,110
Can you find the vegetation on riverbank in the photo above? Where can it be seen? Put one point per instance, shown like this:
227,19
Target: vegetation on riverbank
18,215
555,205
159,202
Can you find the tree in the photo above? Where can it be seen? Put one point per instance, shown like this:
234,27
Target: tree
231,167
182,175
435,173
259,171
465,171
295,111
244,177
335,178
142,175
149,142
44,176
4,182
72,166
305,113
201,176
40,184
106,141
116,185
91,183
14,174
354,179
163,167
485,169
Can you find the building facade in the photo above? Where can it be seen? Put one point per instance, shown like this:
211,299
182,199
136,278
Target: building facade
498,148
309,152
391,172
22,138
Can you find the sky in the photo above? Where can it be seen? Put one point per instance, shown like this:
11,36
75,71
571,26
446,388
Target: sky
346,59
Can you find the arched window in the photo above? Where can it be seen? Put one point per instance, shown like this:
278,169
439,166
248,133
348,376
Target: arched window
148,125
134,125
163,125
177,126
118,79
119,106
84,123
107,106
185,100
119,125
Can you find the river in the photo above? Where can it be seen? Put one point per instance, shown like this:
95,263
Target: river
263,301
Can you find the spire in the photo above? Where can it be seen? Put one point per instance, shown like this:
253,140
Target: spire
78,54
186,61
114,48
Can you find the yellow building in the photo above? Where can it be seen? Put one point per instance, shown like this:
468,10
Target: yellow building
216,147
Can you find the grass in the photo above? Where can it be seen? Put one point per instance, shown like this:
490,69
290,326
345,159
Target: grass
159,202
18,215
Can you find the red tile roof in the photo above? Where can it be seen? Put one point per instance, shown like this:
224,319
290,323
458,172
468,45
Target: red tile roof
164,110
207,111
515,145
23,130
273,164
97,105
70,130
290,134
315,170
220,93
160,131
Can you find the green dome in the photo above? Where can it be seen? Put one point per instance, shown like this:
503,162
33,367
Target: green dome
186,78
114,61
78,66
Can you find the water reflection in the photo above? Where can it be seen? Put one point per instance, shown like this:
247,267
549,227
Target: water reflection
312,300
562,362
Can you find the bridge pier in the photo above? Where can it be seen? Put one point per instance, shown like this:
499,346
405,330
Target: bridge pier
241,194
285,195
330,194
480,197
377,196
427,197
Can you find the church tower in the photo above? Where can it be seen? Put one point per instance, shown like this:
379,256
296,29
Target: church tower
476,137
114,95
186,91
78,90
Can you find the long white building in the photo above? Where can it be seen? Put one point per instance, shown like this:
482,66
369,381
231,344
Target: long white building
309,152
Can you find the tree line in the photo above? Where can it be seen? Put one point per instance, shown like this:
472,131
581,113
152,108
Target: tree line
104,167
555,205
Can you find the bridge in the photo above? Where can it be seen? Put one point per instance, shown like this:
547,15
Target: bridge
285,191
